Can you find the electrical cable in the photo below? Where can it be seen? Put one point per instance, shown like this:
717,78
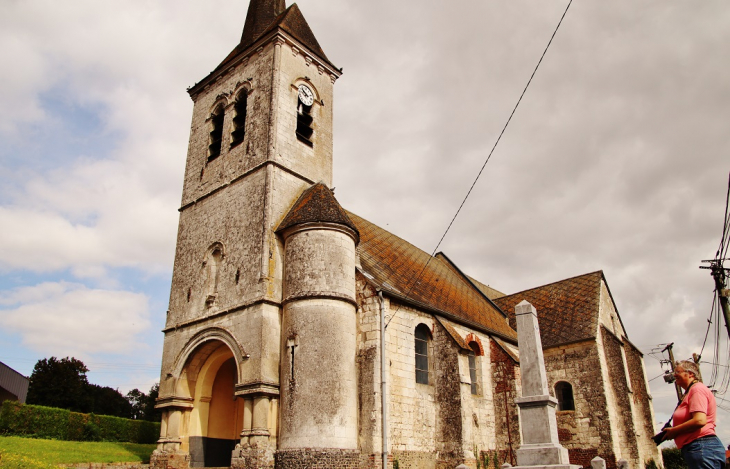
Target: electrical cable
709,323
487,160
722,250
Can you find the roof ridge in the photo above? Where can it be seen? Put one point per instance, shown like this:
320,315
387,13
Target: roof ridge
469,281
554,283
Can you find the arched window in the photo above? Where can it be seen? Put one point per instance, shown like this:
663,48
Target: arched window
564,394
423,338
239,119
473,369
216,133
305,100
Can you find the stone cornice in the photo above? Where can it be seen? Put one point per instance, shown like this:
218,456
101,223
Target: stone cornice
321,296
221,312
257,388
239,178
278,37
323,226
174,402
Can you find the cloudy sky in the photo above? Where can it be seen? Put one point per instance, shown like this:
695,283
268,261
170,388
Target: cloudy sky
617,159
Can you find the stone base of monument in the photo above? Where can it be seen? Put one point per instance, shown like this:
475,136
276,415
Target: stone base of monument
545,455
549,466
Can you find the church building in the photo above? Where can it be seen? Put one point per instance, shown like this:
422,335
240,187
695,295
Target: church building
274,355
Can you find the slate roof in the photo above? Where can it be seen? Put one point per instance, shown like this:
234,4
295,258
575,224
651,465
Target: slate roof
317,205
567,311
492,293
260,14
263,17
290,20
394,264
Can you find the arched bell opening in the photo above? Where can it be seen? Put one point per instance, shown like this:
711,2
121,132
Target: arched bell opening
216,419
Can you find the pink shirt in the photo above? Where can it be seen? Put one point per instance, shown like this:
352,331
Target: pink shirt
698,399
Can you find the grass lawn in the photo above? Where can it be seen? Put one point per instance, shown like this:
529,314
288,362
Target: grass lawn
30,453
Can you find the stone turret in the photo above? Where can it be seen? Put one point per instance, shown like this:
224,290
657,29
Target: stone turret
318,374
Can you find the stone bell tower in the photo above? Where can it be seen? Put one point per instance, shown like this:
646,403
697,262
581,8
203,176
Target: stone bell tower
261,135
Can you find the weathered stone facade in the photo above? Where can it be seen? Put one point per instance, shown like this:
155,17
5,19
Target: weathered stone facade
272,351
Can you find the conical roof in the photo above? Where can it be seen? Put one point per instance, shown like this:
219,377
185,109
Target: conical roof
317,205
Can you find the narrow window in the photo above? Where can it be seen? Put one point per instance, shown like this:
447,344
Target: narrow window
292,342
473,372
216,133
564,394
239,119
423,337
305,101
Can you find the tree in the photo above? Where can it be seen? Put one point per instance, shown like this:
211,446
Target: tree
150,413
138,401
108,401
60,383
143,405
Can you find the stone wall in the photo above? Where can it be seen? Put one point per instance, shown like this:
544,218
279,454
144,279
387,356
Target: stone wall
620,398
505,379
643,410
585,432
447,387
307,458
437,425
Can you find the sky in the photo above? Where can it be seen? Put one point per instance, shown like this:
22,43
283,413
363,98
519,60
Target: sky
617,158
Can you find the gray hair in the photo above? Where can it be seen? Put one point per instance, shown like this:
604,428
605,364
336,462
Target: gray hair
689,366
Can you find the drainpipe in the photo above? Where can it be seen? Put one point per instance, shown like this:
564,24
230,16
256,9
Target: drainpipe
383,382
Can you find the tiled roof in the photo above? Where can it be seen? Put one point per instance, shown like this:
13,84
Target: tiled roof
290,20
449,326
567,311
404,271
317,205
490,292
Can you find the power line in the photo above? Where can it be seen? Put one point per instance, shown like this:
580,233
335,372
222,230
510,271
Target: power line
486,161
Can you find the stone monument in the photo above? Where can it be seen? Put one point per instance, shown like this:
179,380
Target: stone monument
540,446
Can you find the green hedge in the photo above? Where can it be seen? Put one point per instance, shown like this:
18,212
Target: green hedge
60,424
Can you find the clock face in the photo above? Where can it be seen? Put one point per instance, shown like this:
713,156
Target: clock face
306,96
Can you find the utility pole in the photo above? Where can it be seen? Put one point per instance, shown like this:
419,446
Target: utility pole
668,348
718,273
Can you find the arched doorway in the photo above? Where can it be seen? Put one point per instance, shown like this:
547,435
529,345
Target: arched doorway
216,420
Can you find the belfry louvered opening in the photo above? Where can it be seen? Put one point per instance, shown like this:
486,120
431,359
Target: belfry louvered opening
239,119
216,134
305,121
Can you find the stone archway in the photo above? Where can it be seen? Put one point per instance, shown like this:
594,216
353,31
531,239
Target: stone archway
215,421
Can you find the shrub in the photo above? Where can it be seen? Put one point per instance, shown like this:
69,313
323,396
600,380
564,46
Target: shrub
91,431
60,424
673,459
